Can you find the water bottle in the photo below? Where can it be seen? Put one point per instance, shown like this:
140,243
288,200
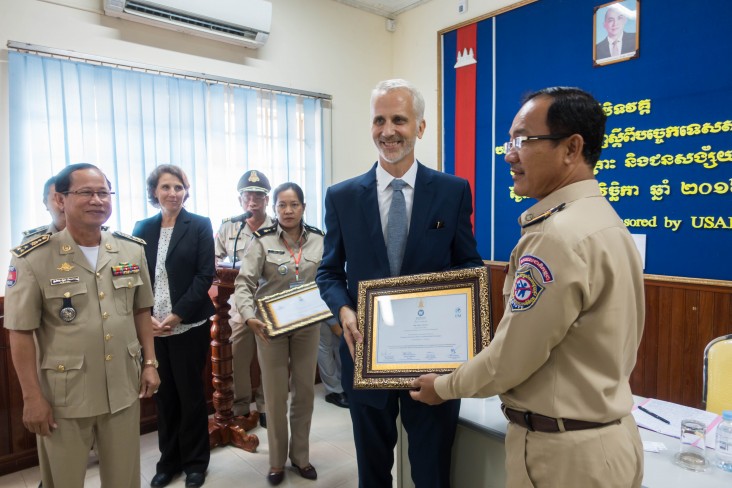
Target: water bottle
724,442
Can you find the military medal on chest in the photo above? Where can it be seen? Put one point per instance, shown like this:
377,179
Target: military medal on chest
68,312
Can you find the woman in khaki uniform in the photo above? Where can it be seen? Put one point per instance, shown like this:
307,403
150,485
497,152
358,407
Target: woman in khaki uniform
284,255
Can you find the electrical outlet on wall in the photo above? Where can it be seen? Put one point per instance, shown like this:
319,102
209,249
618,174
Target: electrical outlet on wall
462,6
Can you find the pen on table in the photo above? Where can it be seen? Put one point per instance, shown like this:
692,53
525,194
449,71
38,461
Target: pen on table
653,415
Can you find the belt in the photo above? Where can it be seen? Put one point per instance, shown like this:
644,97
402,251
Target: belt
542,423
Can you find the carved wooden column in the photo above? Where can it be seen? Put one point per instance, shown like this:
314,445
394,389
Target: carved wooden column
225,428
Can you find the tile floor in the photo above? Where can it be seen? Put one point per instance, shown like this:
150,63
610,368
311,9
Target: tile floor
331,452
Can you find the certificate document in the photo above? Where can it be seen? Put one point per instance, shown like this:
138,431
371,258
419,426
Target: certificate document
422,330
292,309
417,324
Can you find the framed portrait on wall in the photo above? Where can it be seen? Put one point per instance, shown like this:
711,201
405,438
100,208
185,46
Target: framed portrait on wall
616,30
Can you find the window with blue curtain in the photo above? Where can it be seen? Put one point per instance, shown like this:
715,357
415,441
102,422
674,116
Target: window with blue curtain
127,122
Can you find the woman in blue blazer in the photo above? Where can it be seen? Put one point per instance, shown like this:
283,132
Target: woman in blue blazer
180,256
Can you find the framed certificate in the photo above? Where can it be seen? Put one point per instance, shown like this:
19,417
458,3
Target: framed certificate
292,309
426,323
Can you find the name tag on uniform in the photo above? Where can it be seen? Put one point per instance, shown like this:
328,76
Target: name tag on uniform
64,281
275,251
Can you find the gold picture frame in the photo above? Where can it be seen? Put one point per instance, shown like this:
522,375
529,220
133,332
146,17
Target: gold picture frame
293,309
616,21
423,338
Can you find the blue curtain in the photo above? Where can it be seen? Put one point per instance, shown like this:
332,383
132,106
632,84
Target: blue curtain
127,122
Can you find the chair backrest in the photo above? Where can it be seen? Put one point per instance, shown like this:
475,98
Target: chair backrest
717,394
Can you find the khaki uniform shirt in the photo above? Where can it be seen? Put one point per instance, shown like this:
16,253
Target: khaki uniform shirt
29,235
270,268
225,238
574,315
89,365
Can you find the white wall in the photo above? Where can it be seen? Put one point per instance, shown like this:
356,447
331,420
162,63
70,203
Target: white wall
316,45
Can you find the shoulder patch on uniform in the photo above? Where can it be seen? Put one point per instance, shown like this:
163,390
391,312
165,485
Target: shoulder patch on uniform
545,215
314,230
266,231
539,265
129,237
12,277
526,291
37,230
24,249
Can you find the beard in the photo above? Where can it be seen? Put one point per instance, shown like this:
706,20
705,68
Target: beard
396,154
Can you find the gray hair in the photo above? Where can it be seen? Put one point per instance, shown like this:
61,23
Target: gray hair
388,85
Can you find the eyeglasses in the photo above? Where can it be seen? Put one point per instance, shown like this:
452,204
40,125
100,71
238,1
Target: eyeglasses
89,194
253,197
518,142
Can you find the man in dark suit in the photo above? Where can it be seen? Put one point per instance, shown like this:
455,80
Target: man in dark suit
617,42
359,245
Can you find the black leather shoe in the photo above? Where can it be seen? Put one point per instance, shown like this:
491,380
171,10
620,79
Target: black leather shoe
337,399
195,479
263,420
161,479
308,472
274,478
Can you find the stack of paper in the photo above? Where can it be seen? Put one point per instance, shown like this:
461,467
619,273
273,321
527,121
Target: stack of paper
674,414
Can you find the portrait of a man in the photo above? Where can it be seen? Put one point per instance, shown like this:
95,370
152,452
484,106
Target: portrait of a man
616,31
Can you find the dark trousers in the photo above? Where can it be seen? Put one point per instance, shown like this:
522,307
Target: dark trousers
430,432
181,401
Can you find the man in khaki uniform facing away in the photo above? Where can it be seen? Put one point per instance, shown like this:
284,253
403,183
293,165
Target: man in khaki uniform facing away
58,219
85,294
567,343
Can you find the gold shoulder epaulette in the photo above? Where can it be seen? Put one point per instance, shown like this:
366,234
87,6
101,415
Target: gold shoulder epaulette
266,231
37,230
24,249
545,215
314,230
129,237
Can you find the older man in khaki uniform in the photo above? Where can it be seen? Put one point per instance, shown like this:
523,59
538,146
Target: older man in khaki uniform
566,346
253,188
85,294
58,219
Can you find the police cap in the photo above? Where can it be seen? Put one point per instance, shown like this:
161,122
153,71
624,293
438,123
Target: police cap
253,180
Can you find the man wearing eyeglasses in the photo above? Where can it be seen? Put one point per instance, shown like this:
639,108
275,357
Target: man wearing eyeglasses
253,188
566,345
85,295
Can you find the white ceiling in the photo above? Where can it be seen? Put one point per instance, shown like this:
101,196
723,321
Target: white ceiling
386,8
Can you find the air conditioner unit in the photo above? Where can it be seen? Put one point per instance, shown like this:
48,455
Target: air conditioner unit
242,22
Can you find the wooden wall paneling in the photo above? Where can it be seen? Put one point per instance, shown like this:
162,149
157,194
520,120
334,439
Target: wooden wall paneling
648,353
722,314
497,276
689,363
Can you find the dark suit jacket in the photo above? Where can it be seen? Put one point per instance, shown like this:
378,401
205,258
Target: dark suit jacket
440,238
189,262
603,48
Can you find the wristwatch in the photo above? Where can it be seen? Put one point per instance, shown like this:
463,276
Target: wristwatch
151,362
